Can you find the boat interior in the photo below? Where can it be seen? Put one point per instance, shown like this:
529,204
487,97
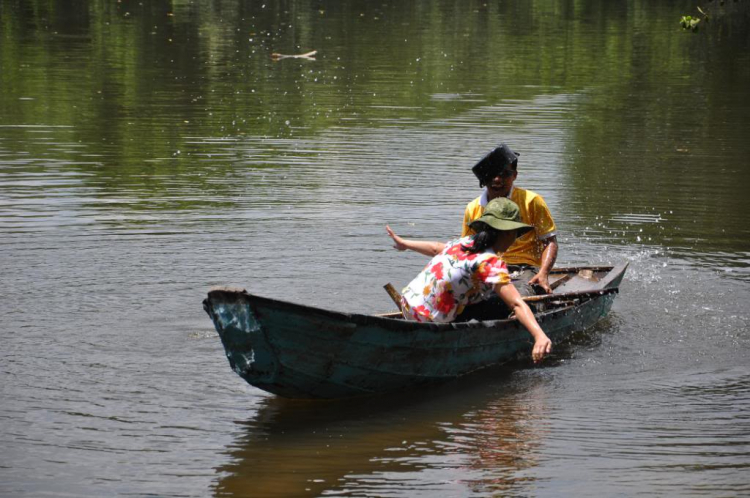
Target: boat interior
564,281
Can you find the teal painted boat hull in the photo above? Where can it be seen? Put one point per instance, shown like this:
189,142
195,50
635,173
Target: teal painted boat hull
298,351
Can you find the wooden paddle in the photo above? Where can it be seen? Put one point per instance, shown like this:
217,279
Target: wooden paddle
394,294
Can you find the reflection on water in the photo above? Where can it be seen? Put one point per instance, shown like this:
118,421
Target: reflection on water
501,433
150,150
475,435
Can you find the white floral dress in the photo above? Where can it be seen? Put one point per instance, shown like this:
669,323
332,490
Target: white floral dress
452,280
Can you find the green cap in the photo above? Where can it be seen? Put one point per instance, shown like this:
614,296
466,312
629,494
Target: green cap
502,214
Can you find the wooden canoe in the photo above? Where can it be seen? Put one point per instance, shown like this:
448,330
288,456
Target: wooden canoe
298,351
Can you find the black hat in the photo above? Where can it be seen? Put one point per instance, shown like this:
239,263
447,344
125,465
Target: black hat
493,163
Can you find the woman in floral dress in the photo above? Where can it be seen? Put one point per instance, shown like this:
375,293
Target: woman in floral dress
468,271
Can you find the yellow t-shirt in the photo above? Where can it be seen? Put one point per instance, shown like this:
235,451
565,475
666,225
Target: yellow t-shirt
527,249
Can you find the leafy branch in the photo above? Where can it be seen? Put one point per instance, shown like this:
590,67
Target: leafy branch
691,23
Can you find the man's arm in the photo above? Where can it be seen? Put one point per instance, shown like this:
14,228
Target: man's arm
549,256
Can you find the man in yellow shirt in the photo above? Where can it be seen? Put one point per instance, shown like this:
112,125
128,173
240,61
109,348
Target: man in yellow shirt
534,253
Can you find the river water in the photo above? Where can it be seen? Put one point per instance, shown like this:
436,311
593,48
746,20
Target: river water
151,150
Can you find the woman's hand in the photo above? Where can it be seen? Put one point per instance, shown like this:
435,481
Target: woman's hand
398,242
542,346
421,246
511,297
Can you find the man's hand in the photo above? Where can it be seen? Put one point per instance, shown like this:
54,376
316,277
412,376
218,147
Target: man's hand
542,281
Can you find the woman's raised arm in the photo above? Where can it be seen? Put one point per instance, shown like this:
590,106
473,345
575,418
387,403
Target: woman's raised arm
421,246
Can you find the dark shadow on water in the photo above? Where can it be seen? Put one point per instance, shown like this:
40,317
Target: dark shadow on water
490,424
481,423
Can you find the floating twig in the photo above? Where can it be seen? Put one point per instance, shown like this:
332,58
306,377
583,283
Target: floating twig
308,55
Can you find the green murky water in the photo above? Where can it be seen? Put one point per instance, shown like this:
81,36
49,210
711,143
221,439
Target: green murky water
150,150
